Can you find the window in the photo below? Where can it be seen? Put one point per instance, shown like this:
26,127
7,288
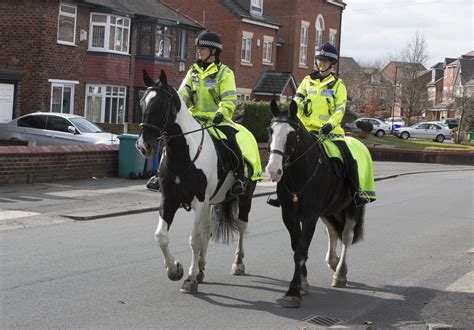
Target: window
146,39
105,103
182,44
243,97
267,49
319,31
57,124
62,98
67,24
109,33
246,55
304,43
33,121
332,37
256,7
163,42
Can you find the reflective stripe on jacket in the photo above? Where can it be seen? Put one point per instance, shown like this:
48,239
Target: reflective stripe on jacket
210,90
325,102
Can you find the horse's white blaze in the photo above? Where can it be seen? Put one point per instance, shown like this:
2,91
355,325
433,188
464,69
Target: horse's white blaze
275,162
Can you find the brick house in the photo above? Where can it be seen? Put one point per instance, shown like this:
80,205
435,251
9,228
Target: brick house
86,56
274,40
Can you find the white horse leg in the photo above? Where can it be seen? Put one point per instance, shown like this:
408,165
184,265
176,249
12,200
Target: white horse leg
339,277
238,267
331,256
173,268
202,254
197,241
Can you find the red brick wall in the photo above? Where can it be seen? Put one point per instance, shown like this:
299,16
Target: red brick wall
290,15
46,164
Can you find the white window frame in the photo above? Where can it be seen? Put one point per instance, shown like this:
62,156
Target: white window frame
332,37
256,7
246,51
62,84
104,94
108,25
267,56
303,58
61,13
182,44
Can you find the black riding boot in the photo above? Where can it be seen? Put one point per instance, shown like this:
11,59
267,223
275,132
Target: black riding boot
153,183
238,187
353,174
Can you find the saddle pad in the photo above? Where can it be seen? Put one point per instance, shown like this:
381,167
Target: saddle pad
248,145
364,162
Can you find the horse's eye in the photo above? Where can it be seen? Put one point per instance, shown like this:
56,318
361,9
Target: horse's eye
270,130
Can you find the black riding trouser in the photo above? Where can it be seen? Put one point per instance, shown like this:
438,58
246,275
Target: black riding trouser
351,164
237,164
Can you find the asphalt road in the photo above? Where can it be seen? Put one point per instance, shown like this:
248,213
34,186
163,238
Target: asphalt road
412,269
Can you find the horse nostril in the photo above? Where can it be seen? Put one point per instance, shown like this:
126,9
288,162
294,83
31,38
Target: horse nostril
279,171
148,146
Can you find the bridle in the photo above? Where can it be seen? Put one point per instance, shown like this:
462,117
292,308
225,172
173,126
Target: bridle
317,142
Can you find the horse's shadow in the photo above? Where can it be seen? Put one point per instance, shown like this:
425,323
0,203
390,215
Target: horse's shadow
387,306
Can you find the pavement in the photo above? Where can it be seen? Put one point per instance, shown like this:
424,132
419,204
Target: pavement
25,205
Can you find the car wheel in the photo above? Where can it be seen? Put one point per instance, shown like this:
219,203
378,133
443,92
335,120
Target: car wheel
439,138
380,133
405,135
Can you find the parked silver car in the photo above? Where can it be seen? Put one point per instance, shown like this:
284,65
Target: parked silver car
429,131
379,130
51,129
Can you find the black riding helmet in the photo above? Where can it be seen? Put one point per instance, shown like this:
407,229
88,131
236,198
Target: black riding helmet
327,51
209,39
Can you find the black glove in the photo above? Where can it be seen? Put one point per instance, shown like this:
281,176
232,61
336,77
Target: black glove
326,129
218,118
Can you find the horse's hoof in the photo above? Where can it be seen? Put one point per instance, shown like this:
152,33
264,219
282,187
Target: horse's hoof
339,282
189,286
238,269
177,274
289,302
200,276
304,287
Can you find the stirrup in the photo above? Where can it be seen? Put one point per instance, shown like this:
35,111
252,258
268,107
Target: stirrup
361,198
273,201
238,188
153,184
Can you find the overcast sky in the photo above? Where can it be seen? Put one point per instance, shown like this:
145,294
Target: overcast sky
373,29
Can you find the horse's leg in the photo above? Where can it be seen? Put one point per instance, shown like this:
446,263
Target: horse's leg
198,239
174,269
339,276
202,254
245,203
331,256
308,232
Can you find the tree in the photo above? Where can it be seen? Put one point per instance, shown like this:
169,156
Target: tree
464,104
412,78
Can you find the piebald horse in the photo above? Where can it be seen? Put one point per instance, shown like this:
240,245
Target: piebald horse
308,189
190,175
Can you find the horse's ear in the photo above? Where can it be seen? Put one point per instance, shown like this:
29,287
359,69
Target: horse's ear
293,108
163,79
147,79
274,108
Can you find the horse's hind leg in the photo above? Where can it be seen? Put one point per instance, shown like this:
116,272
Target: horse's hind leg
331,256
198,242
238,267
339,276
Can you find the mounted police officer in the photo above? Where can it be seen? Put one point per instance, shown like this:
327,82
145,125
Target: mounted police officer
321,99
210,92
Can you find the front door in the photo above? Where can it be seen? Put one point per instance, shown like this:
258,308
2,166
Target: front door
6,102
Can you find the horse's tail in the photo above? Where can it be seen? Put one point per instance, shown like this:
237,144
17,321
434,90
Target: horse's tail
359,225
225,220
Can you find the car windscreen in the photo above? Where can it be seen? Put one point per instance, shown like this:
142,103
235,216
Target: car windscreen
85,126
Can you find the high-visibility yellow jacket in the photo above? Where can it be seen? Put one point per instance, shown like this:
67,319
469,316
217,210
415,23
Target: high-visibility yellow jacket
322,101
210,90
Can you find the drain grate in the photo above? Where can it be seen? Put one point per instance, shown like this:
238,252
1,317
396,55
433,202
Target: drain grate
321,320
